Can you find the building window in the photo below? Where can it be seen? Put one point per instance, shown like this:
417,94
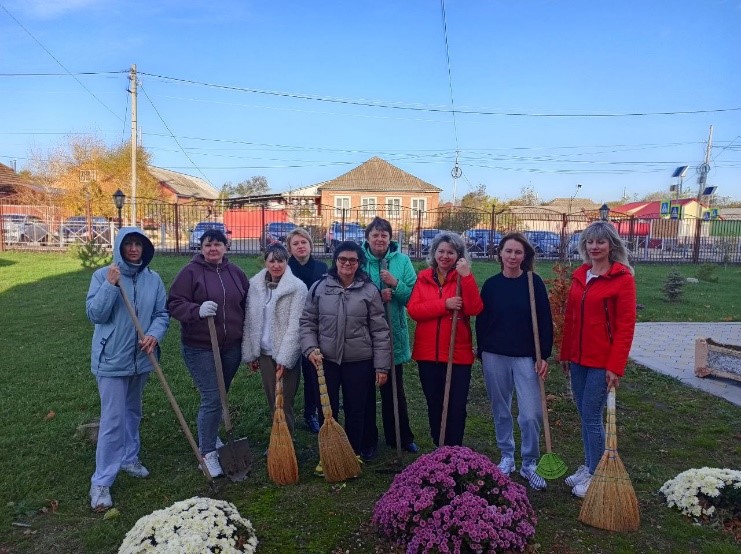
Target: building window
419,205
393,207
369,207
341,203
88,175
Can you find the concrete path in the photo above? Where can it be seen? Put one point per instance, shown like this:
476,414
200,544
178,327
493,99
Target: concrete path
669,348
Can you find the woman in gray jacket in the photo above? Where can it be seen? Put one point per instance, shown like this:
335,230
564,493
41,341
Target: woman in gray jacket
275,302
344,319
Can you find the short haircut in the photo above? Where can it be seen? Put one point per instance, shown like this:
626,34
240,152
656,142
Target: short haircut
298,232
279,252
378,224
528,261
214,235
454,240
350,246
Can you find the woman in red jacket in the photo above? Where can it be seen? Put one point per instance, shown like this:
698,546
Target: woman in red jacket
598,331
431,305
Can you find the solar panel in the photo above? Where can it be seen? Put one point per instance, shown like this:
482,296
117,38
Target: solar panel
681,171
708,191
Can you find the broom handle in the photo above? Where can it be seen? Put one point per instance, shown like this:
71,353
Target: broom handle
536,337
449,372
166,387
220,376
323,396
611,442
394,386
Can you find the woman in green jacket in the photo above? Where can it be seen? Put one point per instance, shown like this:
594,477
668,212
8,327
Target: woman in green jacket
392,272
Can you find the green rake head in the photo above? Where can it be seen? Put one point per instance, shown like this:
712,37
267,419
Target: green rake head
551,466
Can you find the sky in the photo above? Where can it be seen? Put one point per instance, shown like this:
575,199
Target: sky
599,100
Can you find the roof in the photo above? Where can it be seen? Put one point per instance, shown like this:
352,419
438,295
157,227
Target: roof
184,185
11,183
377,175
572,205
647,209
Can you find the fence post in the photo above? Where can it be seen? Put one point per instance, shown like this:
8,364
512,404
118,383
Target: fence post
696,247
177,227
492,232
342,224
563,254
2,228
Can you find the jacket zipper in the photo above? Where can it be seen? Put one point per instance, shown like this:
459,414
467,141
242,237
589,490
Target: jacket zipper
223,304
607,318
581,319
136,342
439,325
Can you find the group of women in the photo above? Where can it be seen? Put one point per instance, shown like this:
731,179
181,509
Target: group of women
351,318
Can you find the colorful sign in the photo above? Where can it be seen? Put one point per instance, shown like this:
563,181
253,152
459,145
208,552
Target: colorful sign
664,210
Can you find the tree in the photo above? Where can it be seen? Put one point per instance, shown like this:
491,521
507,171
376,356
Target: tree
528,197
250,187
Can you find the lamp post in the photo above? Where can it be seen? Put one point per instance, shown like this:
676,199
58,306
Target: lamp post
118,200
604,212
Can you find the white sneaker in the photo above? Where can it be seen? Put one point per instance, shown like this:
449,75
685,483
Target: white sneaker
212,464
581,474
136,469
100,498
580,489
506,465
219,442
528,471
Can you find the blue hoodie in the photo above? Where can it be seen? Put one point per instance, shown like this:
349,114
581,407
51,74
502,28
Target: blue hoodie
115,350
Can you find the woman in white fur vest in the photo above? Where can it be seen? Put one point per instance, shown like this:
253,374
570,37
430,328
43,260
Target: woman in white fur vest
275,302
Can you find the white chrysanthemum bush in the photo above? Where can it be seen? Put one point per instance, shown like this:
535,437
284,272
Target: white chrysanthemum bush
699,493
197,525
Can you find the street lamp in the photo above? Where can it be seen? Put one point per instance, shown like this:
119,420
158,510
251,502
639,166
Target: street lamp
604,212
118,200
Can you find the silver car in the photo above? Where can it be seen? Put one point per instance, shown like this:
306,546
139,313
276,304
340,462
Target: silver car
24,228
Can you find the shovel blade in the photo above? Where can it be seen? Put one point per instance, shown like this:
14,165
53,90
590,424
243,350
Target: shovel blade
235,458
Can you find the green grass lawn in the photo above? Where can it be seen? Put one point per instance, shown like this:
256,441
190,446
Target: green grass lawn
663,429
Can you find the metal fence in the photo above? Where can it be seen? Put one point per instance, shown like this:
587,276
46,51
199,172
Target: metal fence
176,228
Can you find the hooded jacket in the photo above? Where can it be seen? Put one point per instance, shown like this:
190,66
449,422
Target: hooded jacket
600,319
115,350
226,284
400,266
346,324
286,306
434,321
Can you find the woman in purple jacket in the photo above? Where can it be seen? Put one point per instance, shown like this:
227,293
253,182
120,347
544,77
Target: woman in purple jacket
210,286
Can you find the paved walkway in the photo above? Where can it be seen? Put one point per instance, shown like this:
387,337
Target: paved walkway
669,348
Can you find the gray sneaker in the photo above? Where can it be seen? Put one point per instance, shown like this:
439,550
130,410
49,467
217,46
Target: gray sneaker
100,498
136,469
535,481
506,465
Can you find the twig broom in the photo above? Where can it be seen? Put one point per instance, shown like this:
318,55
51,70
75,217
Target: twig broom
611,502
282,464
335,452
550,465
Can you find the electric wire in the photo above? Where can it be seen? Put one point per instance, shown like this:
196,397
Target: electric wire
450,85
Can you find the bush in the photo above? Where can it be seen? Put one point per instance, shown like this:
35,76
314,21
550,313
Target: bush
706,272
455,500
705,493
91,254
673,286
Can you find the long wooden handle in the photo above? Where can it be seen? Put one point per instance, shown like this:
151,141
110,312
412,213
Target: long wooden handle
392,369
323,393
219,374
449,372
166,387
611,431
536,337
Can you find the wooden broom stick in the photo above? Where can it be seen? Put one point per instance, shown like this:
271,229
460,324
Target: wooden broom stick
449,372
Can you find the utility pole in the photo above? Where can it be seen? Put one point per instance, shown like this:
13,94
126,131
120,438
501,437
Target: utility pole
702,180
132,90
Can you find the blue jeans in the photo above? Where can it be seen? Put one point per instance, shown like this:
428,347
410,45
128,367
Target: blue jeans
590,394
504,375
200,364
118,434
432,376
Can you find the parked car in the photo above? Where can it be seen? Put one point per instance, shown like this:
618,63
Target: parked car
338,232
572,247
194,242
75,229
277,232
24,228
545,243
482,242
425,237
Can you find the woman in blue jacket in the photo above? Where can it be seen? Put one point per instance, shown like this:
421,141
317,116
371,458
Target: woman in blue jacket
119,359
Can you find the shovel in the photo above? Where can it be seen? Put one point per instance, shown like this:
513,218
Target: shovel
168,391
235,457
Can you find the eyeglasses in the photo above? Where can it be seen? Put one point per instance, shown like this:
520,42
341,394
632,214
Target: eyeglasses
347,261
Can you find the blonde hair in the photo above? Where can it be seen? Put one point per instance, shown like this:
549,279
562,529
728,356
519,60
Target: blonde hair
604,230
300,232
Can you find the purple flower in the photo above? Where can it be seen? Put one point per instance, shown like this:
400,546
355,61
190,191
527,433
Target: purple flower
455,499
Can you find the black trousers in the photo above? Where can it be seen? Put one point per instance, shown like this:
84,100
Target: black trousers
311,390
354,378
387,413
432,376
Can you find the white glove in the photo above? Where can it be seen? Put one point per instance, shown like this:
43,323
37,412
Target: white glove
208,309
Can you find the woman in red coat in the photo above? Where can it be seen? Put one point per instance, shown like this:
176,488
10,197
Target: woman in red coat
598,331
431,305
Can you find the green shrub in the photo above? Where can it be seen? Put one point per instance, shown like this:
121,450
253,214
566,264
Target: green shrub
673,286
91,254
706,272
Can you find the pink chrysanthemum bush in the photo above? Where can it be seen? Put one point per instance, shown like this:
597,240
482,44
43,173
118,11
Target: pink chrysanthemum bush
455,500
